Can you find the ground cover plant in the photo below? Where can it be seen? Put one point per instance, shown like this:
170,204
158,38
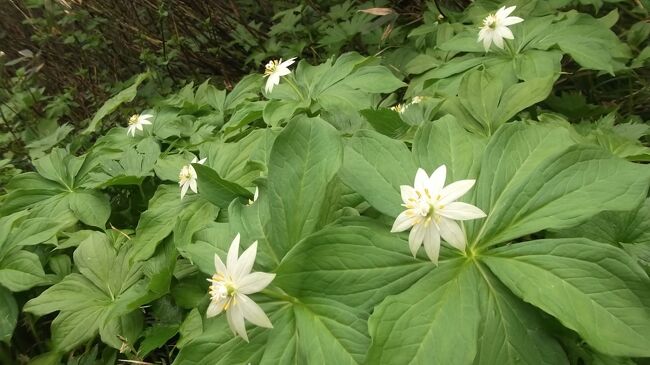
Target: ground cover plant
446,201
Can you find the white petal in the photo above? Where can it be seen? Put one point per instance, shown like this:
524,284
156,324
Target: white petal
498,41
504,12
193,185
233,253
194,160
244,263
184,188
416,237
215,308
144,122
432,243
202,161
487,41
256,194
404,221
504,32
218,265
146,116
236,321
460,211
511,20
451,232
437,180
421,180
455,190
288,62
252,312
271,82
408,193
139,126
254,282
282,71
130,131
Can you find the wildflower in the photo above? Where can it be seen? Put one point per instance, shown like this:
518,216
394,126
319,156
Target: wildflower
255,196
230,287
276,69
417,99
431,212
136,122
495,27
400,108
187,177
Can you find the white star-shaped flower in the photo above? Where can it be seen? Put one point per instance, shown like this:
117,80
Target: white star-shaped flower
136,122
230,287
495,27
276,69
187,177
432,211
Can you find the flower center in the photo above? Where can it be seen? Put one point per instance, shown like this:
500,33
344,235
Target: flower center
222,289
271,67
490,21
134,119
185,174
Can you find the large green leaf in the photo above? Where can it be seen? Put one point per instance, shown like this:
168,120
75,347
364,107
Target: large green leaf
217,190
360,256
21,270
511,331
533,178
310,332
165,209
375,166
304,159
445,142
8,315
91,207
109,286
592,288
427,323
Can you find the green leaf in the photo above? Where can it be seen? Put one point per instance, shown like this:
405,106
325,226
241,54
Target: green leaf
375,166
565,277
8,315
109,286
426,323
91,207
114,102
21,270
533,178
386,122
445,142
373,79
366,262
512,332
215,189
158,221
304,333
304,159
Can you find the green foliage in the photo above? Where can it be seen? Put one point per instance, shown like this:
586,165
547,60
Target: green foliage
109,244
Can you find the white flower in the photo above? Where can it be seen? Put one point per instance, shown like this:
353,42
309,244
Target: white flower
255,196
495,27
187,177
276,69
231,285
136,122
431,212
417,99
400,108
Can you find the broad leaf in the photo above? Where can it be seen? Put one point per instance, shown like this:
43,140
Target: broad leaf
305,157
593,288
375,166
